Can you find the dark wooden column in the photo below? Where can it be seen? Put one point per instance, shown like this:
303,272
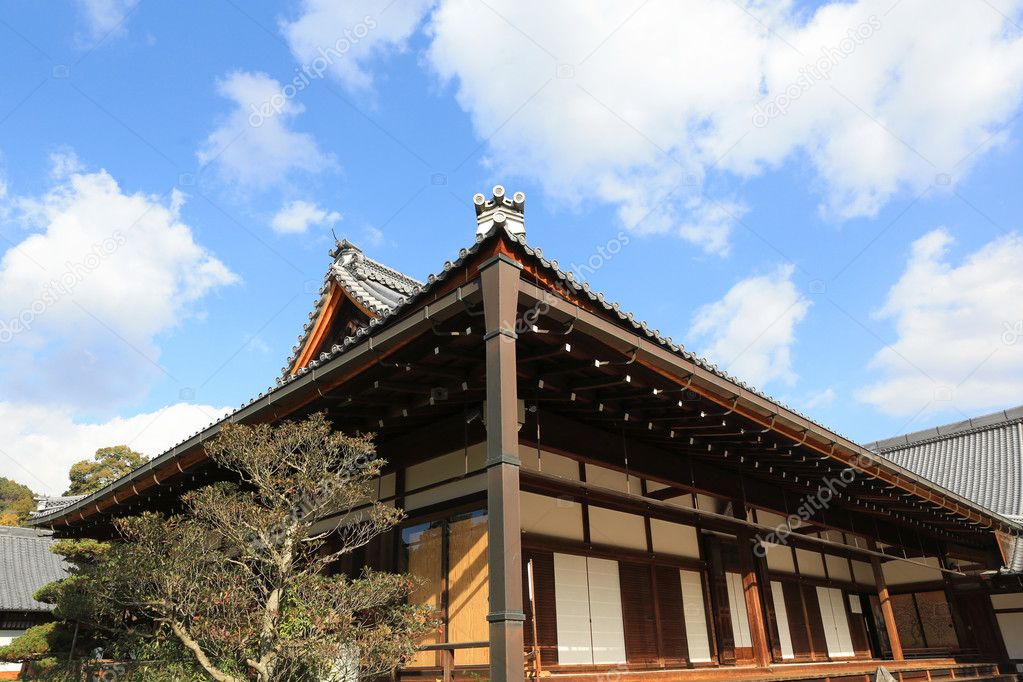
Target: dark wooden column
500,284
751,588
886,605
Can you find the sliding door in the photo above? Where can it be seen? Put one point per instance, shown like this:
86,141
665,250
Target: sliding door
589,608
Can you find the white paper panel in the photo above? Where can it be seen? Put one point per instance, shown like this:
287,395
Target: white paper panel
737,606
617,529
551,516
608,630
836,624
1011,625
838,568
695,617
674,538
1007,601
572,603
782,616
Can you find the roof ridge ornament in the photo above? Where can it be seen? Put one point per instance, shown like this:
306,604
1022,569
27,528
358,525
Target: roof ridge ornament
500,211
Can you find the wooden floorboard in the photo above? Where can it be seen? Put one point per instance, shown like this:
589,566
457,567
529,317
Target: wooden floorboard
857,671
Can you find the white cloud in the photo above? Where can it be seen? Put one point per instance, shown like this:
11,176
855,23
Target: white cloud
38,444
254,145
749,332
373,236
86,293
819,399
959,330
339,37
106,17
626,102
297,216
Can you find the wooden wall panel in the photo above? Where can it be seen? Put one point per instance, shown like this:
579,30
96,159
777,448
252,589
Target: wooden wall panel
674,645
798,626
638,612
468,598
781,618
545,614
424,562
818,642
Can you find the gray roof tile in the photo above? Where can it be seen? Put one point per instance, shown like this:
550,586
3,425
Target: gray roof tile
980,459
26,564
373,285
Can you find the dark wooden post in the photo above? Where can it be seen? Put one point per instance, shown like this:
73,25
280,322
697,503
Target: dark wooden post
886,605
500,284
751,588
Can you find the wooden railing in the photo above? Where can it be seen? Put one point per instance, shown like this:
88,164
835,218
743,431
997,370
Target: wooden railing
447,658
447,654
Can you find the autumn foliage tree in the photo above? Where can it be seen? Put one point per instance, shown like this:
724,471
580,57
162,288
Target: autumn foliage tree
237,579
16,501
106,466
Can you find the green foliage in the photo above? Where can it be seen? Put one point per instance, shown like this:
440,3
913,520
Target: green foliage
234,588
16,501
106,466
80,550
38,642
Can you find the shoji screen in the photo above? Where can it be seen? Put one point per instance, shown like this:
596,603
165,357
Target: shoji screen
782,617
836,623
608,631
737,606
588,598
695,617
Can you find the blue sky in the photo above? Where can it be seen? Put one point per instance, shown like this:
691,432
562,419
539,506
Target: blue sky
822,198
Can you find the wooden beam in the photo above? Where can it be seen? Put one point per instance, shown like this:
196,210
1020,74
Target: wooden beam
499,280
886,605
742,401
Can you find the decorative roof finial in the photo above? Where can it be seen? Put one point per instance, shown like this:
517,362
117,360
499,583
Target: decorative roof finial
501,211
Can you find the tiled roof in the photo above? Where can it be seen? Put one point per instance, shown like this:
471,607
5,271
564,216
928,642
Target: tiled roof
26,564
371,284
980,459
402,305
46,504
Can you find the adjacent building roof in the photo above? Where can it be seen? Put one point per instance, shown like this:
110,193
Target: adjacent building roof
981,458
26,564
372,286
46,504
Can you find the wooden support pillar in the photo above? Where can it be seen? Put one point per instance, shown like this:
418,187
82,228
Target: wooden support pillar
751,588
886,605
500,284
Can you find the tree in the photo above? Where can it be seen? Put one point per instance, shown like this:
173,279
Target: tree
235,584
16,501
106,466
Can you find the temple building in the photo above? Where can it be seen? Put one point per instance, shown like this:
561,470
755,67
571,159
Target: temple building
586,497
26,564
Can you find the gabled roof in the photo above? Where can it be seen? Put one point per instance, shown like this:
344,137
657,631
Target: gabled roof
980,459
495,236
26,564
373,287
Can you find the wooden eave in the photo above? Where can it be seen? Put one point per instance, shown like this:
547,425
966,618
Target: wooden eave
383,381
